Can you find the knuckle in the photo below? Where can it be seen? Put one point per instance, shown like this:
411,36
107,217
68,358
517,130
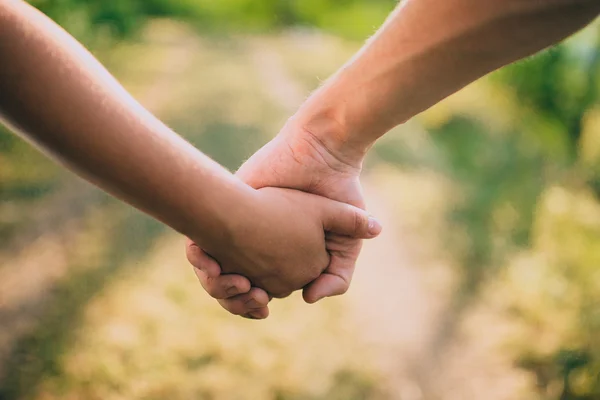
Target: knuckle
344,280
314,275
358,221
189,253
212,289
212,292
189,244
343,289
192,250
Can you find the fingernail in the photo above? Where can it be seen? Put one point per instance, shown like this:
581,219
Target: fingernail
232,291
374,226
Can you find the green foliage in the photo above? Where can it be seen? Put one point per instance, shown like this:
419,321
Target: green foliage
558,86
499,185
87,19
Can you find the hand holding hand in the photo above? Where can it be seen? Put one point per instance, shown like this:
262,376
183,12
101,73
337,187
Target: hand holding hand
281,248
294,159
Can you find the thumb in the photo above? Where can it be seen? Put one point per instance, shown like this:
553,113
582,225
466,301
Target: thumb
202,261
247,174
252,172
348,220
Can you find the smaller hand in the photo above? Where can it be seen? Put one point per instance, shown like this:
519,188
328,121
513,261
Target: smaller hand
281,249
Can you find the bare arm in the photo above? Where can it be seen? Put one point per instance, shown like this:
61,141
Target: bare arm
58,96
427,50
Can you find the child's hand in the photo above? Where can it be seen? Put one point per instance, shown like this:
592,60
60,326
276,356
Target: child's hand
280,247
281,244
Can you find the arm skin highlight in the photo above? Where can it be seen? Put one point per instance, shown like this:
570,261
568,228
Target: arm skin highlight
425,51
55,93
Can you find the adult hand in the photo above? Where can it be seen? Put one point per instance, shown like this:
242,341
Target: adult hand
294,159
401,71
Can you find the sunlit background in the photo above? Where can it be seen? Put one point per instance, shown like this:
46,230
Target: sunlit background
484,285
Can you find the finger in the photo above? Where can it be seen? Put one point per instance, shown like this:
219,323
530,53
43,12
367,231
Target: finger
282,295
336,278
329,283
348,220
223,286
326,285
202,261
253,304
261,313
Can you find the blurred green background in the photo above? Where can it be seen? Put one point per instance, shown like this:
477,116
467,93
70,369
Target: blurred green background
485,283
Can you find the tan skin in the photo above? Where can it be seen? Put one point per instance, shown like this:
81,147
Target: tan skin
426,50
56,95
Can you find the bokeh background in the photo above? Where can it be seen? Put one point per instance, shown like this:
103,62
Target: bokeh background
484,285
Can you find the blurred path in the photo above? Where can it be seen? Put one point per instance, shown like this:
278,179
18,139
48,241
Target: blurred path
387,297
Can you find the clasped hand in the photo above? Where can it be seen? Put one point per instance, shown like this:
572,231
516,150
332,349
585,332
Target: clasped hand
306,232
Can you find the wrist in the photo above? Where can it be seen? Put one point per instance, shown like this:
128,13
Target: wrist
222,215
343,117
326,129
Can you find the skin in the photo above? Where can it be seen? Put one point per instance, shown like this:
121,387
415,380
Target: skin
57,96
425,51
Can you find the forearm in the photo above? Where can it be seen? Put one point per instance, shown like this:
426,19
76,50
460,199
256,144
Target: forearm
58,96
427,50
